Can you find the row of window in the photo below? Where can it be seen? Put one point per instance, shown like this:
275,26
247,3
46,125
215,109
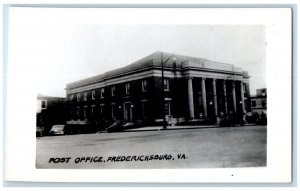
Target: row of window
113,90
86,111
255,103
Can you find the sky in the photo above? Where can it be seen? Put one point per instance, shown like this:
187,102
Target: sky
58,52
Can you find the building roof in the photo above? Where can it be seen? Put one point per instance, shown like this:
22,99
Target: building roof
154,61
43,97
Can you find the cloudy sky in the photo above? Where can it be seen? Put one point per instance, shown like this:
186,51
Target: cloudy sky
58,52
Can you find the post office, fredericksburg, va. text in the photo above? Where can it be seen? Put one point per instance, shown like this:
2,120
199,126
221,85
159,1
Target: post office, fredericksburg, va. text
129,158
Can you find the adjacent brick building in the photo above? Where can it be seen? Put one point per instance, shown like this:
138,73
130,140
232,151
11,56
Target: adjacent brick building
195,89
259,102
50,111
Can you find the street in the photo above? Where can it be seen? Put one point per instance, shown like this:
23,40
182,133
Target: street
181,148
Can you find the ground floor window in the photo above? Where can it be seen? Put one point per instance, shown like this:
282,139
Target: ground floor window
85,112
167,108
101,111
113,111
78,113
93,111
145,109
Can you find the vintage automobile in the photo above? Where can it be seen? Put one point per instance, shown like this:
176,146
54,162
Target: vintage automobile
231,120
40,131
57,130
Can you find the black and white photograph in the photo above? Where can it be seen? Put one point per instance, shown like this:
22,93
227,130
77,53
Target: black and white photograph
202,102
143,94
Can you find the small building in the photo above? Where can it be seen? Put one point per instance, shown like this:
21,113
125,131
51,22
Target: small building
50,111
191,89
259,102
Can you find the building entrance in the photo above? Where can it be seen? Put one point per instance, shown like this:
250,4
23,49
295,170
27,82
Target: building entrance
128,112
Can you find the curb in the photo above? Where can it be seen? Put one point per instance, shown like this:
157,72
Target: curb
179,128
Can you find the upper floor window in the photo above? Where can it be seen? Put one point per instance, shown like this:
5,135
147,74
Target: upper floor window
93,94
85,96
253,103
263,103
102,92
44,104
113,90
144,85
127,88
166,85
78,97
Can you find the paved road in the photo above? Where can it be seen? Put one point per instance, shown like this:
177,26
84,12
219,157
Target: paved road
184,148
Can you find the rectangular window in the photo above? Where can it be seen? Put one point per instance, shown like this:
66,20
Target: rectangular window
85,96
166,85
113,91
102,92
167,108
78,97
113,111
144,85
145,109
44,104
78,113
93,94
263,103
127,88
71,97
71,114
85,112
101,110
253,103
93,111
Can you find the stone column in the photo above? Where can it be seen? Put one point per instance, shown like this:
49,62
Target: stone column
225,96
215,97
204,97
191,98
234,96
242,97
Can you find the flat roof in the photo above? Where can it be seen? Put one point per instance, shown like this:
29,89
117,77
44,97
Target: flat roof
154,61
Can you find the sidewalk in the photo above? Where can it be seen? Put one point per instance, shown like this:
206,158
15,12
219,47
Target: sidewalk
160,128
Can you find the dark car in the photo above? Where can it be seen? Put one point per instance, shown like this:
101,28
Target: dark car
262,120
232,120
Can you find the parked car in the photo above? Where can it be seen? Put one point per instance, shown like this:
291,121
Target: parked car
115,126
57,130
262,120
40,131
231,120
